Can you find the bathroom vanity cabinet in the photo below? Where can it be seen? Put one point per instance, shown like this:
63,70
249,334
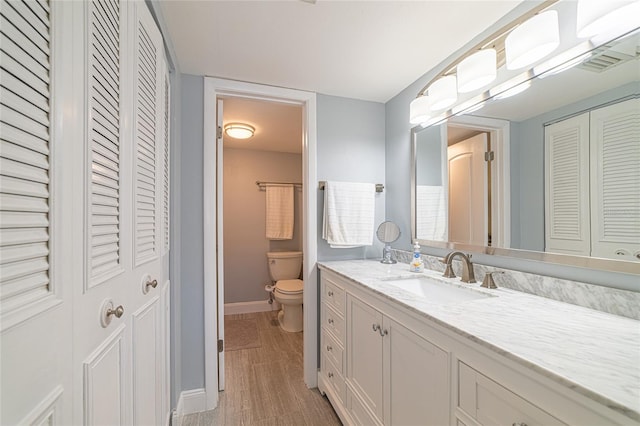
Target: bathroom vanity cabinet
383,364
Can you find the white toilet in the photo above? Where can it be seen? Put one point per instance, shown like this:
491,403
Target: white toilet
284,268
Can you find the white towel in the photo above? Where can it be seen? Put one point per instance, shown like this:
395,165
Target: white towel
348,214
279,212
432,213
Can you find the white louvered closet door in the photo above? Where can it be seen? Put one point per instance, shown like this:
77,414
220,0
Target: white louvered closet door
615,181
122,368
35,322
567,228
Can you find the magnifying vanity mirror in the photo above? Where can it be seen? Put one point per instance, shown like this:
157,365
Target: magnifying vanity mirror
388,232
551,174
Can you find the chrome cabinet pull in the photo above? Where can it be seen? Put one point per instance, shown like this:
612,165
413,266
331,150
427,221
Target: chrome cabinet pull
330,320
329,348
330,293
519,424
383,332
330,374
376,327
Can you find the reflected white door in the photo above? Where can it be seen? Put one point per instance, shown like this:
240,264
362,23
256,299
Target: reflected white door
468,191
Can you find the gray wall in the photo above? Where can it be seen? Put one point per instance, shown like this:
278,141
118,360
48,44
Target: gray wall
398,179
245,245
192,242
350,148
527,161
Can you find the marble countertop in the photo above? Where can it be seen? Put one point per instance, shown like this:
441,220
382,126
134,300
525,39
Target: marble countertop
594,353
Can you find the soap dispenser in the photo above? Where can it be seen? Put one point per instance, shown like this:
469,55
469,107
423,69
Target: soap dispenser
416,264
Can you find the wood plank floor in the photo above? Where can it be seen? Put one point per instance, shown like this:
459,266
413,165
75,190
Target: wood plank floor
265,386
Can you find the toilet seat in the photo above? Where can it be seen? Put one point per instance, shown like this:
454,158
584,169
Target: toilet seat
289,286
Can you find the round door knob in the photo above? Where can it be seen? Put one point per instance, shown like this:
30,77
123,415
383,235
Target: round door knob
108,311
117,312
152,284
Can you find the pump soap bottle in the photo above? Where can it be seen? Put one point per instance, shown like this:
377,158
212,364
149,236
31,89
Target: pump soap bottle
416,264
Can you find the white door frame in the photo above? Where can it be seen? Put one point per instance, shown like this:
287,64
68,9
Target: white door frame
214,296
500,172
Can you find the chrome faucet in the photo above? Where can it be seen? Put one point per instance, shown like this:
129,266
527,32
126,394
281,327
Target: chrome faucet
468,275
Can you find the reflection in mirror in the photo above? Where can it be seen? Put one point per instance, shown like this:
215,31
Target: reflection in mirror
555,169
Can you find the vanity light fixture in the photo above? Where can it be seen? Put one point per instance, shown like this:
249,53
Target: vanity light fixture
605,20
443,92
419,110
532,40
239,130
477,70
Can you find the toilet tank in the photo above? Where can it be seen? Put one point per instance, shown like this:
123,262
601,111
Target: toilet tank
284,265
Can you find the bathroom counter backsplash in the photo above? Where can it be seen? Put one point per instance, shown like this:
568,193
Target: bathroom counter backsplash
613,301
594,353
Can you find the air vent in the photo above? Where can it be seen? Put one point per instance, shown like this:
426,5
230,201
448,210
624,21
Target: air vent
611,55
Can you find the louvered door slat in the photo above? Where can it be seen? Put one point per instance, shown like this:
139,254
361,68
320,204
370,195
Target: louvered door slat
104,128
615,181
24,154
147,142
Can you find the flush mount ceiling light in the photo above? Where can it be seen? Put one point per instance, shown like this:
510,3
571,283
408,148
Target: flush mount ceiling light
606,20
476,71
532,40
443,92
239,130
419,110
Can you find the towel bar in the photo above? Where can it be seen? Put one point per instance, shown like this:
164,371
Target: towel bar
379,186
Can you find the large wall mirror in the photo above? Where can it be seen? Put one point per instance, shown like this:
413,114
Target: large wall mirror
551,174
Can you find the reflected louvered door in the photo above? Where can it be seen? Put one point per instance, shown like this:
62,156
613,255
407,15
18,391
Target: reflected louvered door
615,181
567,228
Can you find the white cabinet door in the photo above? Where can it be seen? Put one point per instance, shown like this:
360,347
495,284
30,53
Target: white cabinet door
567,217
615,181
364,354
416,379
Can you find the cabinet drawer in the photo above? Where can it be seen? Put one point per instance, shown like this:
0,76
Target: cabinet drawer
359,411
333,322
333,377
332,349
333,295
490,403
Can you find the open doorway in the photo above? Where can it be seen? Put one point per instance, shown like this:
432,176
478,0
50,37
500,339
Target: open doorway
217,90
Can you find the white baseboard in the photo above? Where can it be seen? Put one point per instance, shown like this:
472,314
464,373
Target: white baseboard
191,401
249,307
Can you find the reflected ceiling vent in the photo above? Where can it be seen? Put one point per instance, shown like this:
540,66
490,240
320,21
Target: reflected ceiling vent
611,55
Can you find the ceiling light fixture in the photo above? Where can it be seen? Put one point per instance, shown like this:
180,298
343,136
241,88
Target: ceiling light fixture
443,92
239,130
476,71
603,21
532,40
419,110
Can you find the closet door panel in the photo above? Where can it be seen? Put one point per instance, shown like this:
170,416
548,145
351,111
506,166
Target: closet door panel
615,181
567,217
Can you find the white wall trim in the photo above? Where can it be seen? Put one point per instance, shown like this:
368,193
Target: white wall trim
213,303
191,401
249,307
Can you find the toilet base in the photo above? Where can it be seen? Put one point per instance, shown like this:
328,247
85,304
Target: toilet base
290,318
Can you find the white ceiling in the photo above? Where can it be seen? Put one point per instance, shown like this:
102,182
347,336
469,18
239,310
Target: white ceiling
278,126
361,49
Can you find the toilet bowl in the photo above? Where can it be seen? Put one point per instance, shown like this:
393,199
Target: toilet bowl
284,268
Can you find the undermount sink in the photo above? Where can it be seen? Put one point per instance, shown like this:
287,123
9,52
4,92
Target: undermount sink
436,292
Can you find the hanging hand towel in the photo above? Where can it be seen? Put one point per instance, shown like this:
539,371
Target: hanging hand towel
348,214
431,223
279,212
